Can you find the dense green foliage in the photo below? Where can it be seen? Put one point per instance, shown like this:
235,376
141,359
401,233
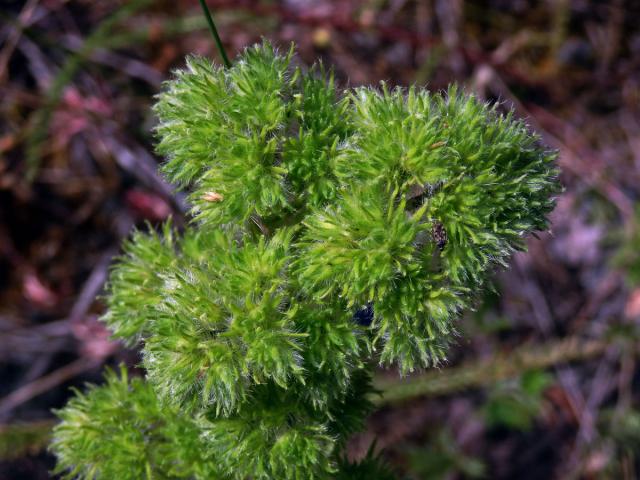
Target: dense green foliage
122,431
309,204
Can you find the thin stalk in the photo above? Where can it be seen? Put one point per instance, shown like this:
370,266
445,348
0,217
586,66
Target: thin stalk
214,32
479,374
20,439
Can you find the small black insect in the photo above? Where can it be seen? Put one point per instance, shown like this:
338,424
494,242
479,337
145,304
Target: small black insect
364,316
439,235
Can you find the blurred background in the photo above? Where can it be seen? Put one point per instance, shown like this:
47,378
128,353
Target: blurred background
543,381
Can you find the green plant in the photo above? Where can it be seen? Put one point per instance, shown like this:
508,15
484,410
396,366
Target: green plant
516,404
330,229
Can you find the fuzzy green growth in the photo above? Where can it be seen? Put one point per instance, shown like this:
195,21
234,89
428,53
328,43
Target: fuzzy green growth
120,430
308,204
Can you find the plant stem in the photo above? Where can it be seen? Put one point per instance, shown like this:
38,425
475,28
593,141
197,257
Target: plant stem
214,32
21,439
486,372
